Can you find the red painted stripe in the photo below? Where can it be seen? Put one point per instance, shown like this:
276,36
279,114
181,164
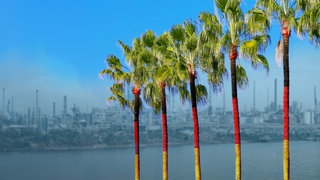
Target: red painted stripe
164,133
136,136
286,113
236,121
196,127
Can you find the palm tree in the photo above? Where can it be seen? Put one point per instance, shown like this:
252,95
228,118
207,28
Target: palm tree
163,69
188,50
248,34
184,46
137,59
121,78
162,74
303,16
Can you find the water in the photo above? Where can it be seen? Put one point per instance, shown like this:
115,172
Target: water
259,161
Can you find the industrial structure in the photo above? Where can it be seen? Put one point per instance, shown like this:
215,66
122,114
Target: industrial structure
105,117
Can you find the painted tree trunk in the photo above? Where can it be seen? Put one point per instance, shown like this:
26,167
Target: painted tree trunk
136,93
164,133
233,56
286,148
195,127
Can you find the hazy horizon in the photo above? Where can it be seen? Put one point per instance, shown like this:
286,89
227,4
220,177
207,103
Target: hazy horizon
59,48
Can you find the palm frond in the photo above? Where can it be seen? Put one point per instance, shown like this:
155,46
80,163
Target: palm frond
115,70
201,94
151,95
148,38
212,29
242,78
190,28
125,48
224,44
221,4
309,22
191,44
260,60
217,74
279,52
117,91
183,92
177,33
250,48
257,21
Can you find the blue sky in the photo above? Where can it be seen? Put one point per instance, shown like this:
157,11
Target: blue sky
59,47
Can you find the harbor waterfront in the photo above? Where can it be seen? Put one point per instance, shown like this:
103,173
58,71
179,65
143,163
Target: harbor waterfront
260,161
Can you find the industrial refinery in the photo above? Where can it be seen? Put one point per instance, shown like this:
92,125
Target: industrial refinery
112,126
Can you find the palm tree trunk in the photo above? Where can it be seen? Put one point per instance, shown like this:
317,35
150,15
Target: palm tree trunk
136,93
233,56
286,149
164,132
195,127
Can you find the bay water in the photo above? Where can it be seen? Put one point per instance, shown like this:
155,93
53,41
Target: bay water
261,161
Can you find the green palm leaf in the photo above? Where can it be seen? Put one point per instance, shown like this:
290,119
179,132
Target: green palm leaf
242,78
201,94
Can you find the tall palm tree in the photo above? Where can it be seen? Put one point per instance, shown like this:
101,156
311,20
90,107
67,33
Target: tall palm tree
122,78
137,59
192,52
162,74
184,45
249,35
303,16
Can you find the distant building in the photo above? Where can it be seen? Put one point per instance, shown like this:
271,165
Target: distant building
308,118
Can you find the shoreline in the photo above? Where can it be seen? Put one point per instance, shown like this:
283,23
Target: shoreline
108,147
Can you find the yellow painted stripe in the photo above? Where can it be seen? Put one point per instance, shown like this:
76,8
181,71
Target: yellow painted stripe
238,161
197,164
165,165
137,167
286,160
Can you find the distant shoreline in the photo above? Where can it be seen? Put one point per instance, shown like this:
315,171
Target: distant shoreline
13,139
108,147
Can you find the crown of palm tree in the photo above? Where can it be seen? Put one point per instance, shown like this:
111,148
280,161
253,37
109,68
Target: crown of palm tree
246,31
115,71
300,15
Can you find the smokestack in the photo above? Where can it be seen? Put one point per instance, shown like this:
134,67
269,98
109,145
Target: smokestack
8,106
315,103
210,108
254,95
29,117
54,110
11,103
3,100
173,105
37,105
224,102
64,105
275,93
267,97
315,97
